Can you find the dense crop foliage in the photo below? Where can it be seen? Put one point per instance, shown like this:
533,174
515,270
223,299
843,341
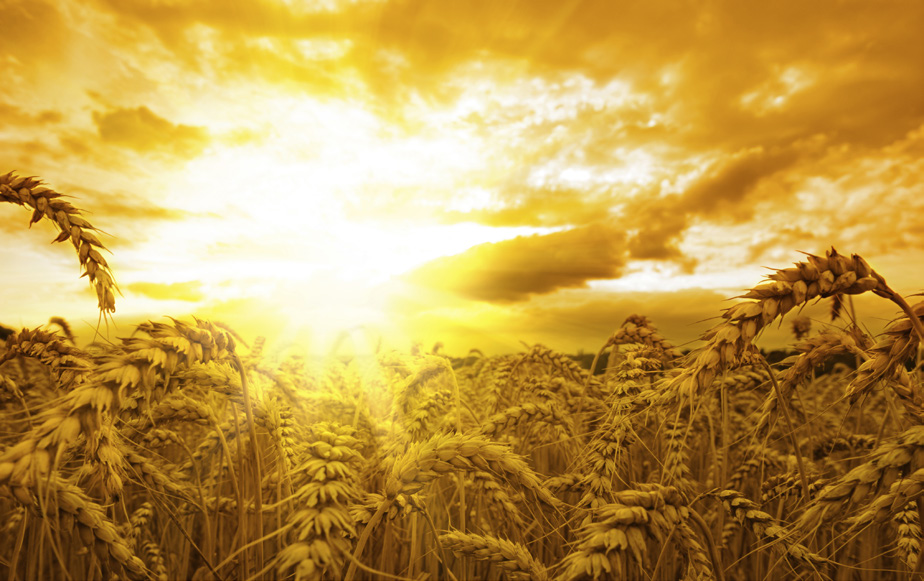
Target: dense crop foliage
181,452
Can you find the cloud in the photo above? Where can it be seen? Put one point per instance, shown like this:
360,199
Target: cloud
513,270
190,291
528,206
114,207
660,229
14,115
651,132
721,72
567,320
785,237
868,200
727,185
142,130
723,193
39,34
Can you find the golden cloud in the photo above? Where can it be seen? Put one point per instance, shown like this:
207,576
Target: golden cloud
142,130
190,291
12,115
722,72
723,192
113,207
547,206
35,32
676,119
514,269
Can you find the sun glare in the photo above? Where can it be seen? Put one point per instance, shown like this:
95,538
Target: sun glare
276,219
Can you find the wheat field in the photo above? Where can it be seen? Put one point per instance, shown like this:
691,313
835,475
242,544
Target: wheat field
183,451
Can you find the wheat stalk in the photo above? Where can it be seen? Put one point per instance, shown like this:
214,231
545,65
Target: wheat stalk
763,525
901,455
812,352
900,342
618,535
447,453
909,534
637,329
526,412
69,364
728,342
512,558
323,525
46,203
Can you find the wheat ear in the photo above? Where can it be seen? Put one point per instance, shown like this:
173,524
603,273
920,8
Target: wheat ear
44,202
903,454
762,524
729,341
69,364
887,357
512,558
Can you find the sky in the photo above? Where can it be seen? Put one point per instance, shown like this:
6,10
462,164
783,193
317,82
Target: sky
484,174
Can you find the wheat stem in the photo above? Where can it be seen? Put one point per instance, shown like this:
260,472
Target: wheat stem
254,448
792,430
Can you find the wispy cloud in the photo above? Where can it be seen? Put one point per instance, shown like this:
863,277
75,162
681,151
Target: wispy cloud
190,291
16,116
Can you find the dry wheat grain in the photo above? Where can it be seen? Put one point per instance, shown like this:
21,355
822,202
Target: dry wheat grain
903,454
615,543
909,534
424,462
69,364
323,525
899,343
729,342
510,557
811,353
525,413
46,203
764,526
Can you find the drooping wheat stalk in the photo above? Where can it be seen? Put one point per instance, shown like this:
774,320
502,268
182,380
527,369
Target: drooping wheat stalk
887,358
531,413
551,360
763,525
486,487
615,543
510,557
811,353
747,378
902,455
72,510
69,364
46,203
728,342
447,453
